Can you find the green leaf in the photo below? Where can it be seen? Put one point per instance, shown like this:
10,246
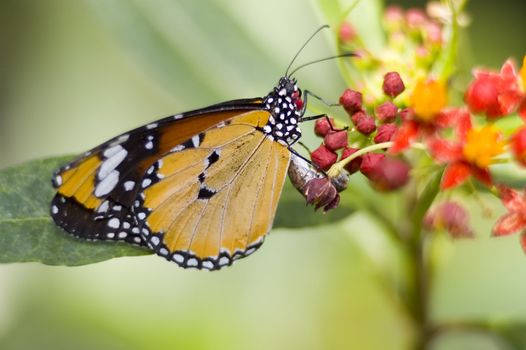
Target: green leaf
425,201
27,232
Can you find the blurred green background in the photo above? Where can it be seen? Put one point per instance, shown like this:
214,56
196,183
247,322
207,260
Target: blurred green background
74,73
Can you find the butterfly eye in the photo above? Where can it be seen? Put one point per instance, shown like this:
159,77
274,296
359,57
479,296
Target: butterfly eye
290,87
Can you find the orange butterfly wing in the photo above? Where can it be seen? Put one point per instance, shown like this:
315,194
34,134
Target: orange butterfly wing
209,205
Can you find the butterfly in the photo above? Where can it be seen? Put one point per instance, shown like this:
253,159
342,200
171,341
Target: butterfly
200,188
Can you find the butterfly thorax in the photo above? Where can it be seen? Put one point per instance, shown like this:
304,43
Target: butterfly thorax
286,108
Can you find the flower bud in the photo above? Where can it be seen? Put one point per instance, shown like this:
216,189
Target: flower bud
482,96
385,133
369,161
518,145
334,140
393,18
357,116
386,112
449,216
323,157
351,101
434,32
366,125
389,174
354,165
322,194
415,18
322,126
393,84
347,32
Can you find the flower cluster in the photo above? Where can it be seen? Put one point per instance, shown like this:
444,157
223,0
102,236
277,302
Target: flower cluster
375,130
399,103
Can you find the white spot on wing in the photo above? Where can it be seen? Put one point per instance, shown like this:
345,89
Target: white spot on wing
108,184
177,148
146,182
208,265
103,207
112,162
191,262
149,145
155,240
54,209
152,125
129,185
195,141
224,261
114,223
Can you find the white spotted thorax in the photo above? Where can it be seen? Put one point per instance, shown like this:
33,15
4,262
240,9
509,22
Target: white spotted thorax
284,105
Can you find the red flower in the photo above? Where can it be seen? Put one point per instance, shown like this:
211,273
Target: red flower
412,127
495,94
515,219
471,155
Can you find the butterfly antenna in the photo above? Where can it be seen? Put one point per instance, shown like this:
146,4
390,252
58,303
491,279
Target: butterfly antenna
348,54
303,46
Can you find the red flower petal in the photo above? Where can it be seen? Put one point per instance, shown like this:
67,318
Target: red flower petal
509,101
509,223
482,174
463,124
508,76
405,134
444,151
449,117
454,175
513,200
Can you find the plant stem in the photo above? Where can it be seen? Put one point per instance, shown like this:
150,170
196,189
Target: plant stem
421,288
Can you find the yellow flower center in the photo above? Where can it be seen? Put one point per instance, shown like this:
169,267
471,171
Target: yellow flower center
523,72
428,98
482,145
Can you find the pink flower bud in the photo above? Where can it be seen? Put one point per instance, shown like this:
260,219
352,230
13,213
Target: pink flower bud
385,133
393,84
351,101
347,32
322,126
323,157
386,112
369,161
334,140
389,174
449,216
357,116
394,15
415,18
366,125
354,165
